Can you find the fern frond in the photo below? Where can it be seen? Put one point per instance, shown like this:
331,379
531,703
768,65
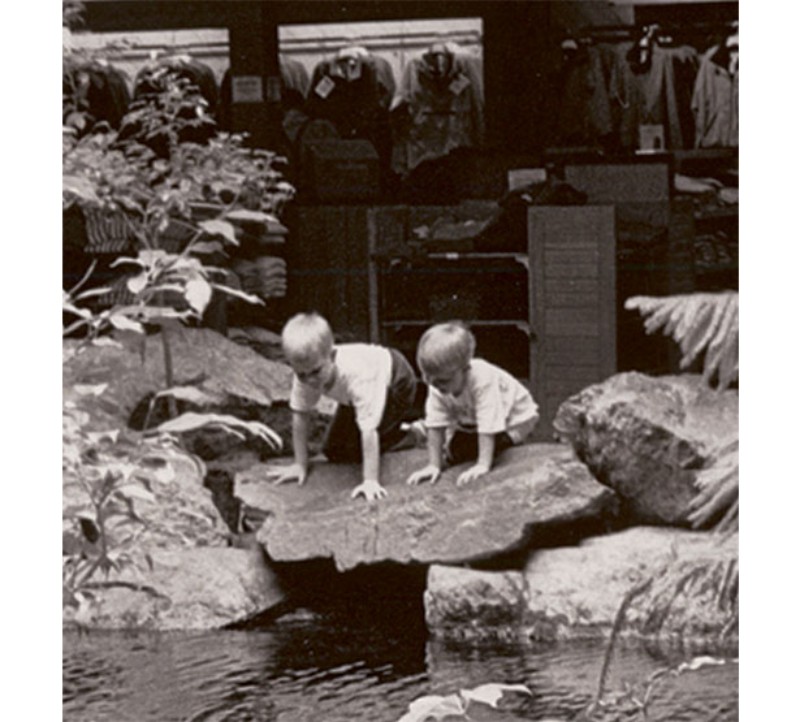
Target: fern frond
701,335
700,323
724,347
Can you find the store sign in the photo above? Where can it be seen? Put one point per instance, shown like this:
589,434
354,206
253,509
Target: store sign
651,137
247,89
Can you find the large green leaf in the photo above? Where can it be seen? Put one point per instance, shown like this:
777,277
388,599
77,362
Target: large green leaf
249,297
136,284
123,323
191,421
243,214
80,187
190,394
217,227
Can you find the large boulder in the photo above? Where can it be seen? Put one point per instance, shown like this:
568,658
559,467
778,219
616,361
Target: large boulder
647,438
231,379
174,566
683,587
186,589
201,357
531,488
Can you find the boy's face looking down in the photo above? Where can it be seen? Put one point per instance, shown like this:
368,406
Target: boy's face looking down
447,381
316,372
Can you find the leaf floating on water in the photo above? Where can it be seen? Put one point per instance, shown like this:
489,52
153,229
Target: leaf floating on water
433,707
699,662
492,693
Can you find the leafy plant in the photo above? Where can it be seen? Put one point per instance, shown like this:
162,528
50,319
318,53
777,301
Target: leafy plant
703,324
633,701
169,280
152,196
105,478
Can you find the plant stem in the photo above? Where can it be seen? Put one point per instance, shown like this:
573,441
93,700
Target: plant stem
172,406
618,620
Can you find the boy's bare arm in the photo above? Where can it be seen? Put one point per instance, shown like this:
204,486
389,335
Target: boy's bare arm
484,461
434,468
370,487
299,469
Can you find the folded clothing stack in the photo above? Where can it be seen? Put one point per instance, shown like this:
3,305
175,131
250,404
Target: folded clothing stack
264,276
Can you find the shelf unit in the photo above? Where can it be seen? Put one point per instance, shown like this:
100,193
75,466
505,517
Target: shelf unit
547,316
489,291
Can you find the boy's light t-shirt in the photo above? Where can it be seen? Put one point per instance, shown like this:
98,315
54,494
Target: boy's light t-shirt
361,379
492,401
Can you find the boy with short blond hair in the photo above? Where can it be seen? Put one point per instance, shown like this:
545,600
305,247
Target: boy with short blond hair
374,386
480,406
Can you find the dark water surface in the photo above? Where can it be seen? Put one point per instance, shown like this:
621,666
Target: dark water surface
330,670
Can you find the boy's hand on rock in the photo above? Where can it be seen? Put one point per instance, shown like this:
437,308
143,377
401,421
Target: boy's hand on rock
370,490
471,474
430,473
280,475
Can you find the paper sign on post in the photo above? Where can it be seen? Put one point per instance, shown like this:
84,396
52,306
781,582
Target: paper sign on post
247,89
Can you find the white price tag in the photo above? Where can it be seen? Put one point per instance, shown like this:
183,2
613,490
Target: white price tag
324,87
459,85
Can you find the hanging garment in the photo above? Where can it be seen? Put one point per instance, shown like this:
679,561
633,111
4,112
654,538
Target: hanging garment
345,91
294,83
715,102
294,75
97,89
437,109
654,92
584,116
385,77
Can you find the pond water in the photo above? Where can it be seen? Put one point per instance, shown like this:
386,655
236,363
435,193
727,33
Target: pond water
322,668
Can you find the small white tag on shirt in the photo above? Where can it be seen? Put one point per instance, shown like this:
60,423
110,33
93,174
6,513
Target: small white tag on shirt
459,84
324,87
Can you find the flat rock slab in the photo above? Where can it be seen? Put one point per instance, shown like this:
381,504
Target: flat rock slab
531,485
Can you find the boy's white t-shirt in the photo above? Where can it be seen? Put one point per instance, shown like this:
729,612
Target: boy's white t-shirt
492,401
362,374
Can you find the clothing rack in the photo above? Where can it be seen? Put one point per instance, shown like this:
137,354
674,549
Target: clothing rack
661,32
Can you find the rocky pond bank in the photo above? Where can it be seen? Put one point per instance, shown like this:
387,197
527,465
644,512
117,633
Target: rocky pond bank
545,547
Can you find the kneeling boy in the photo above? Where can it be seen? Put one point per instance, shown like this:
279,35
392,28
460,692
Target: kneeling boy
483,407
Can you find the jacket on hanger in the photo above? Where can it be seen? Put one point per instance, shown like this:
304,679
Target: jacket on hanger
294,82
346,92
385,77
100,90
715,101
437,109
585,113
657,91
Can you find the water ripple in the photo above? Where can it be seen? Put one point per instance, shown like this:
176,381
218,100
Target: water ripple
322,675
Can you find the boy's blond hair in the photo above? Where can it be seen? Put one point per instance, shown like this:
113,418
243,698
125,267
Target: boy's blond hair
307,337
445,347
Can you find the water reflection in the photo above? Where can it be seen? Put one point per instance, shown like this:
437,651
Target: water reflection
324,670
